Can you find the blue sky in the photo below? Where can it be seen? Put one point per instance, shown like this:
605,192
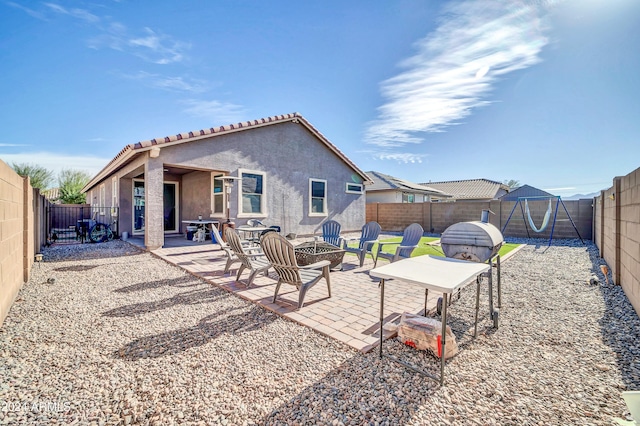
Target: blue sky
543,92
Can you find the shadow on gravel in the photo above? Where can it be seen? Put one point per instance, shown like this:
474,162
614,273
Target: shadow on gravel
620,325
76,268
187,298
80,252
180,282
364,391
208,329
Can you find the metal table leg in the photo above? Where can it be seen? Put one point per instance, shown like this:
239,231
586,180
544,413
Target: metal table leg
381,313
444,336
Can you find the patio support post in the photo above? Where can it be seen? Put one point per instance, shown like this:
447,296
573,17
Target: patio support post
153,211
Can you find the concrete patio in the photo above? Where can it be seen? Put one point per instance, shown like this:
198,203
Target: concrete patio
350,316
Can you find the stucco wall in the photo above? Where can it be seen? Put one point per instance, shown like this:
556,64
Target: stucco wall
289,155
19,235
617,230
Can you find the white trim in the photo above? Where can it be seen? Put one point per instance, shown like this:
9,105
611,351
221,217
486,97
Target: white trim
133,206
263,196
353,191
176,206
115,195
324,199
103,199
223,213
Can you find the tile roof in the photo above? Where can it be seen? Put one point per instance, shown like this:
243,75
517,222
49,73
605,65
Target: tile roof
385,182
147,145
525,191
470,189
51,194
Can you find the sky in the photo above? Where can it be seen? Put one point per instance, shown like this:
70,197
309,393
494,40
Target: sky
544,92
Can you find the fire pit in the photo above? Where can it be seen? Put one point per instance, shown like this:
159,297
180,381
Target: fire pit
315,251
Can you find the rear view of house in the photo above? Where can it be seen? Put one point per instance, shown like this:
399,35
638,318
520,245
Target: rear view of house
281,169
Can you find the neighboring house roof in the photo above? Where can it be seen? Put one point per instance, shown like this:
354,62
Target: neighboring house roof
471,189
382,182
130,150
51,194
525,191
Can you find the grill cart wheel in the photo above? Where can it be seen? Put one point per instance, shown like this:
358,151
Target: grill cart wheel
495,315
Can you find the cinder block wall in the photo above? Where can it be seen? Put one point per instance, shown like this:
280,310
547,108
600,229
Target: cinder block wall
17,235
436,217
617,231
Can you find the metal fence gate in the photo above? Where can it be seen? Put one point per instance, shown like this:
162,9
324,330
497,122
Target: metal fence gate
72,223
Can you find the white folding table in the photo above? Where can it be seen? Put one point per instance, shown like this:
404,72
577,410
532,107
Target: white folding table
202,223
440,274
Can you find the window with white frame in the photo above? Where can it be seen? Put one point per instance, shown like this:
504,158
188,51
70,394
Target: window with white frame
408,198
217,197
114,195
103,201
354,188
317,197
253,194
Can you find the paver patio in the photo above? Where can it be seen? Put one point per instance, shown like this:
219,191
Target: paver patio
351,315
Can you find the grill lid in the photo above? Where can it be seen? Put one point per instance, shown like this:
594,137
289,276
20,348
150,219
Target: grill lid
476,241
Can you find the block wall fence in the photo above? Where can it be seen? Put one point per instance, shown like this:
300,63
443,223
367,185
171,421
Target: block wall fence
617,233
22,233
436,217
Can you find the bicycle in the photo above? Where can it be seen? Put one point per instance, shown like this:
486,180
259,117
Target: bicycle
101,232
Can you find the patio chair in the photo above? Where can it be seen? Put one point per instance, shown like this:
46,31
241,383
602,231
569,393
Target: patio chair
369,237
331,232
231,257
251,258
281,254
410,239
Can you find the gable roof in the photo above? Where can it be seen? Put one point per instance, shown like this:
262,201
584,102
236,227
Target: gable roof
525,191
382,182
470,189
132,149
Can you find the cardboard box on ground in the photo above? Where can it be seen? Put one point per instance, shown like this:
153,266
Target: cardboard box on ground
423,333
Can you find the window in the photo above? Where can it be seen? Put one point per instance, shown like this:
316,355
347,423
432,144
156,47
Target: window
114,195
354,188
408,198
217,198
252,201
317,197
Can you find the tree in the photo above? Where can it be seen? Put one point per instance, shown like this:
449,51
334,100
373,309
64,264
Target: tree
512,183
40,177
71,183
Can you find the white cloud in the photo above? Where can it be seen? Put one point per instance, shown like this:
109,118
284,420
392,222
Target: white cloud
13,144
400,157
454,69
151,46
28,11
157,48
216,111
179,84
81,14
56,162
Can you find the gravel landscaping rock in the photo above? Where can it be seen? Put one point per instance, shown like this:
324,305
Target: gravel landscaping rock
107,334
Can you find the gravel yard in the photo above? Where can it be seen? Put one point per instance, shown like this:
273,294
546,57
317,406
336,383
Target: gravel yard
108,334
